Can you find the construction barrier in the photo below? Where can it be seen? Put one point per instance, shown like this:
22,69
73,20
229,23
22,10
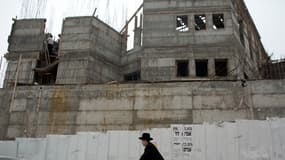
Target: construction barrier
240,140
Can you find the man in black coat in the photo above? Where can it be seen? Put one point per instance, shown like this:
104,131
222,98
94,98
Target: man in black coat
150,151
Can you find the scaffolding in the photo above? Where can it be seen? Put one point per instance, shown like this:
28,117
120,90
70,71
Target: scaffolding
274,69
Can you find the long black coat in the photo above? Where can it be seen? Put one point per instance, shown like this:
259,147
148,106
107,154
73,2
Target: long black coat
151,153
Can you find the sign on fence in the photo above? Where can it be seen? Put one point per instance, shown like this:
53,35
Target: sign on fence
181,142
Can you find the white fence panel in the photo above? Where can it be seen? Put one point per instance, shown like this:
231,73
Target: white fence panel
99,141
162,139
255,140
134,146
199,142
278,138
57,147
8,149
31,149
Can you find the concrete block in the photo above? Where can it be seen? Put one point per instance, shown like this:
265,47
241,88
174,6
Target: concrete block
19,105
162,102
15,131
163,116
200,116
104,117
88,128
265,113
78,45
107,104
27,32
17,118
62,118
272,100
77,30
213,101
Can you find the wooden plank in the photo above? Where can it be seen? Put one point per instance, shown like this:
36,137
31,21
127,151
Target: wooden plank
134,15
15,84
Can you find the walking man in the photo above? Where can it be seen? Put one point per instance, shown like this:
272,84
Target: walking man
150,151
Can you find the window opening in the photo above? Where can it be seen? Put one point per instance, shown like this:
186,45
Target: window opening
182,23
200,22
201,68
182,68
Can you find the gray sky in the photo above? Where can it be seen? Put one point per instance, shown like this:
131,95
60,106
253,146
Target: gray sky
267,15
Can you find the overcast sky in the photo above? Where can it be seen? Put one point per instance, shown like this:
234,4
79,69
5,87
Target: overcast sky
267,14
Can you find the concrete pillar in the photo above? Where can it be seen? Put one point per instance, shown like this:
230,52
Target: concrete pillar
192,68
137,34
211,67
124,42
232,68
137,38
209,18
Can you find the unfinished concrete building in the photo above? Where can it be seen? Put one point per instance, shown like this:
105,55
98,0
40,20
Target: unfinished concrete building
175,40
189,63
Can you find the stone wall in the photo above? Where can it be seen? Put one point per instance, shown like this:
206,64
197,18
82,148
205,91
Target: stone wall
40,110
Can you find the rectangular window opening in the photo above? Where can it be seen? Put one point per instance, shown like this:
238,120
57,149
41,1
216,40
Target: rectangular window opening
250,47
245,76
182,68
218,21
241,32
200,22
221,67
182,23
201,68
135,76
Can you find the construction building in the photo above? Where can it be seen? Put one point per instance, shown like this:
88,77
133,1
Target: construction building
191,62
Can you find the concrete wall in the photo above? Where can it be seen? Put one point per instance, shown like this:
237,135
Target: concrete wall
90,50
131,62
160,23
42,110
4,109
26,73
164,44
27,35
26,39
159,64
252,53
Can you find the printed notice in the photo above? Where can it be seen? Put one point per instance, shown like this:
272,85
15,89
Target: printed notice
181,142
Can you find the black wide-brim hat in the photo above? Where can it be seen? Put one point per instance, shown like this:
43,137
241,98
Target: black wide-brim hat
146,136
